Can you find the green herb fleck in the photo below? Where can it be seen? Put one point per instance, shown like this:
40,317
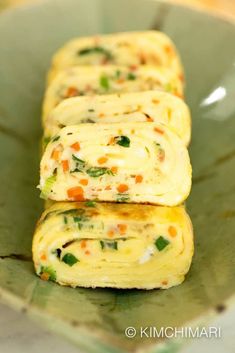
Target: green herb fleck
90,204
46,140
131,76
122,198
118,73
108,244
56,138
98,171
104,82
161,243
95,50
65,220
168,87
51,272
91,110
47,186
69,259
80,161
123,141
72,211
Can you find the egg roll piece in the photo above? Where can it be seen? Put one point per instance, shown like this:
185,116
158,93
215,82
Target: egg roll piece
113,245
127,49
142,163
127,107
87,80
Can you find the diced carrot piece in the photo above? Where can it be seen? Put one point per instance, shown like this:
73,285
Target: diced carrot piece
108,187
83,243
160,131
65,165
122,228
169,49
102,160
76,193
172,231
111,141
114,170
75,146
55,154
122,188
83,182
155,101
110,233
149,119
165,283
101,115
87,252
45,276
43,257
138,179
121,80
72,92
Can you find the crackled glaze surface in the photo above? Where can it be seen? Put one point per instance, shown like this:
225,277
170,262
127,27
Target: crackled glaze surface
96,319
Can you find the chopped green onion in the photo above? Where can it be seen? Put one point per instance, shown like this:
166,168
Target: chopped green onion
90,204
51,272
65,220
94,50
47,186
122,198
70,259
108,244
131,76
98,171
123,141
104,82
161,243
56,138
80,161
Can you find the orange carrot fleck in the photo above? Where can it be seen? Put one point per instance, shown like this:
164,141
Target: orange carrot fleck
87,252
155,101
122,188
75,146
120,80
172,231
110,233
149,119
55,154
83,182
83,243
102,160
111,141
65,165
76,193
71,92
101,115
138,179
43,257
169,50
122,228
114,170
160,131
45,276
108,187
165,283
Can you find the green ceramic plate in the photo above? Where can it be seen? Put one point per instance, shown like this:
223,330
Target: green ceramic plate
96,319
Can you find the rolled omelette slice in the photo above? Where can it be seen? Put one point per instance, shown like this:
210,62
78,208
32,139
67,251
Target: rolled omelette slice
117,108
113,245
87,80
127,49
142,163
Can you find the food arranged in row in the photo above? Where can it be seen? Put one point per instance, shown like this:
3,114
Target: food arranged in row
115,129
93,244
150,106
141,163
